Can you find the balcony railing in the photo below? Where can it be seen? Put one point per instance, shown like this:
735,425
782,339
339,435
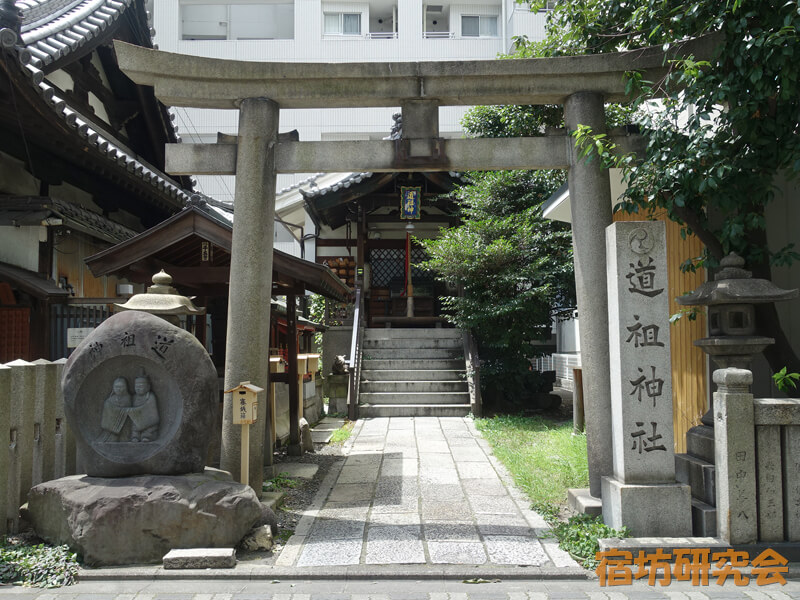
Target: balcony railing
438,35
382,35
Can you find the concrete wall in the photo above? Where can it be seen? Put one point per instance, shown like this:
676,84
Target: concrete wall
41,446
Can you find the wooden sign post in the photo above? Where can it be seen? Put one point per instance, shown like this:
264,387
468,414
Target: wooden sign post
245,413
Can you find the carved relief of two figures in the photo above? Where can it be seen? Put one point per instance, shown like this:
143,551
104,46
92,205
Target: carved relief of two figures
129,418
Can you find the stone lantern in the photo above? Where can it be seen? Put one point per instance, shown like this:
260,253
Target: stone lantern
163,300
731,300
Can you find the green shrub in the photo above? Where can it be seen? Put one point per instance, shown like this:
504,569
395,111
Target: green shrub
40,565
580,534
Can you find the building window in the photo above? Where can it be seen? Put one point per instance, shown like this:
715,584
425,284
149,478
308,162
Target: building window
342,23
478,26
231,21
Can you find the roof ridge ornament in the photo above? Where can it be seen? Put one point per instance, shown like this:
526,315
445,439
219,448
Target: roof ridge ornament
10,23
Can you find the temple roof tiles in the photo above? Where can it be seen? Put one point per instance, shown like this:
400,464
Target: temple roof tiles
50,30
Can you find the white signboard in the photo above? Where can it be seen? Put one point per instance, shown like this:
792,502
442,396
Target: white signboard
75,335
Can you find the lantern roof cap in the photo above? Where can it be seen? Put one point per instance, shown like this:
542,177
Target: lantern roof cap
733,284
162,299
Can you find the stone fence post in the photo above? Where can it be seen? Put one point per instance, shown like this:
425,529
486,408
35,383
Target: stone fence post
40,445
734,456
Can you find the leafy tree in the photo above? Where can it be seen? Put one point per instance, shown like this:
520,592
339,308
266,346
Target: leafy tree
725,128
513,266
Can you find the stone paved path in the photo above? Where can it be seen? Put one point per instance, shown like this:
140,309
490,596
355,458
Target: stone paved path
201,587
420,490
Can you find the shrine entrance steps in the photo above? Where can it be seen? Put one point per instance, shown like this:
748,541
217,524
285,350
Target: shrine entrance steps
413,372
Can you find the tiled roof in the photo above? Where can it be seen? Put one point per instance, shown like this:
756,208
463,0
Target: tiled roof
92,221
346,181
50,30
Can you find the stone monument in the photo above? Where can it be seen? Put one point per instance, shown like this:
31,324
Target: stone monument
642,494
140,395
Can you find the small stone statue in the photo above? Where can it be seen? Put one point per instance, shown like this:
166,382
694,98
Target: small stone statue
144,411
339,366
115,413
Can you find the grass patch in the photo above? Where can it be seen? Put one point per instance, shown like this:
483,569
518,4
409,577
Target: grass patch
544,458
342,434
281,481
37,565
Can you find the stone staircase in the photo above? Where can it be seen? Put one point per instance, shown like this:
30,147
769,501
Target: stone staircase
696,468
413,373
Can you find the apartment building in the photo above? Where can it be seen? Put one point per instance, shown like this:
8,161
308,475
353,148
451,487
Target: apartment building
335,31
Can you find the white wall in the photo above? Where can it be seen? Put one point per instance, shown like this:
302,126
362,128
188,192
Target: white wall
20,246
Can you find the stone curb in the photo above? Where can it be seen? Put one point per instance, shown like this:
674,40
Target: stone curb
360,572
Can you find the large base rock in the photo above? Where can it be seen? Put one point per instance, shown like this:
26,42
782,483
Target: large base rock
139,519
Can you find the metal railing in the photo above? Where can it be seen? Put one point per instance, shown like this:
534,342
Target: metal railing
562,364
382,35
355,358
438,35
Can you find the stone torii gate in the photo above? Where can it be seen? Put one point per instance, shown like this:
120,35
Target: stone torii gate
582,84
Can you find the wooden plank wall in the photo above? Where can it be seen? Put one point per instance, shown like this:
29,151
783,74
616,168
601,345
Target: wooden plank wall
689,363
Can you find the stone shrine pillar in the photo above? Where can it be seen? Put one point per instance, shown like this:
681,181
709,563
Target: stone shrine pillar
247,343
590,194
642,494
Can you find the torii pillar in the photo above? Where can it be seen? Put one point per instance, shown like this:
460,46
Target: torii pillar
247,343
590,202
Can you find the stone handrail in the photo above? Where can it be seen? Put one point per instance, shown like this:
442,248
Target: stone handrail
41,446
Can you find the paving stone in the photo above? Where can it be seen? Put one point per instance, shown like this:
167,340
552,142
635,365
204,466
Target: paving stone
438,476
298,470
401,438
351,492
200,558
474,470
394,545
404,423
457,443
394,518
397,488
436,460
435,447
401,466
442,491
493,505
468,454
363,459
359,474
362,443
461,553
451,532
484,487
337,529
444,511
344,511
396,505
330,553
514,550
